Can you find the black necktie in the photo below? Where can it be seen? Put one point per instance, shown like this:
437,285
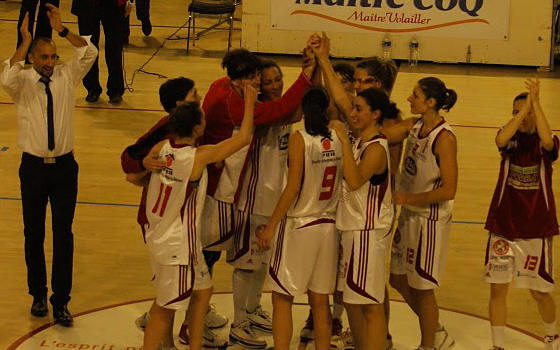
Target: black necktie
50,113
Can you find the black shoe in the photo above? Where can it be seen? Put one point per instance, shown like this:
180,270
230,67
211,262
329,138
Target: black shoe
115,99
39,307
62,316
147,27
92,97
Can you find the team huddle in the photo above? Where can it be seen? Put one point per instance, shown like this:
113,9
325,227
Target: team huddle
314,211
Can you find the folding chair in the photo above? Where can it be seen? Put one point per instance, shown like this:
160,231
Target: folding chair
210,7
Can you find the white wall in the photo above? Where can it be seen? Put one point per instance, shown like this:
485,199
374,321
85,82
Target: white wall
528,44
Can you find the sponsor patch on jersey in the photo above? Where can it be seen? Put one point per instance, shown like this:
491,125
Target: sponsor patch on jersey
169,159
500,247
410,166
283,141
326,144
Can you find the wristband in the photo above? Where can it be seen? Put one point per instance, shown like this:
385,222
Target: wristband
64,32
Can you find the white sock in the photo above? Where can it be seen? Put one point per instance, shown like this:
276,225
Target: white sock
256,287
498,335
241,280
550,328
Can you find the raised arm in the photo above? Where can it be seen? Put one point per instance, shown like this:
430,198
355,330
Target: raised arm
543,129
336,90
296,156
398,132
373,162
446,151
56,23
23,47
214,153
507,131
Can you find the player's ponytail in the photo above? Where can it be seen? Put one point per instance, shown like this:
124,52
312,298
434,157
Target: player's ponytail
377,99
435,88
314,104
184,118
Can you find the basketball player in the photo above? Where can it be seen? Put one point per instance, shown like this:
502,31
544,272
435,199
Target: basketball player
222,105
306,248
364,216
174,207
135,158
522,216
426,188
372,72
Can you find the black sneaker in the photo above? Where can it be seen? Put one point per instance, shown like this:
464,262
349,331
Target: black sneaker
39,307
62,316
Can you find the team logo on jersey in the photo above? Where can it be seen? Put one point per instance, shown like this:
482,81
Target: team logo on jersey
326,144
169,158
500,247
410,166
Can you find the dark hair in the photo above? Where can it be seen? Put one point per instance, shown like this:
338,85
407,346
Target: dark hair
345,69
40,39
377,99
174,90
384,70
435,88
240,63
183,119
270,64
521,96
314,104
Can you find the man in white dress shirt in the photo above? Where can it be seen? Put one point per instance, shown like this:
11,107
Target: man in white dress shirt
44,99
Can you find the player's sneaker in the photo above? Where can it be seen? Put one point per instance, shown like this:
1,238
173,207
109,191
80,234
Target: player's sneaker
209,338
142,321
347,340
214,319
306,334
552,342
336,327
260,320
244,335
442,340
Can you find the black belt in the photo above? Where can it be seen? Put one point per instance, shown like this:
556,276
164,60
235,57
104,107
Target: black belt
48,160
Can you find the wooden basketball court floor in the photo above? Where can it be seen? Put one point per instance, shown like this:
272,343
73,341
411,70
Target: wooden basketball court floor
110,261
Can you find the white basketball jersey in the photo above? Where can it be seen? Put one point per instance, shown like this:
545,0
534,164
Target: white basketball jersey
265,173
370,206
322,173
174,207
231,176
420,170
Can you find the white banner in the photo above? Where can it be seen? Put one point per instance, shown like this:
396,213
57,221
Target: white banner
476,19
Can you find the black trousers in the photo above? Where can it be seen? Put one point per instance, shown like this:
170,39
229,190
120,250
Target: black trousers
57,183
112,19
142,13
43,25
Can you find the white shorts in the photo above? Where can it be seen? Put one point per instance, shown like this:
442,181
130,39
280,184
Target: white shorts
304,257
528,262
244,252
217,224
363,255
174,283
419,249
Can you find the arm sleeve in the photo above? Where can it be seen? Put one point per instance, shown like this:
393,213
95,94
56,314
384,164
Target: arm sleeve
81,62
270,111
131,157
11,79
